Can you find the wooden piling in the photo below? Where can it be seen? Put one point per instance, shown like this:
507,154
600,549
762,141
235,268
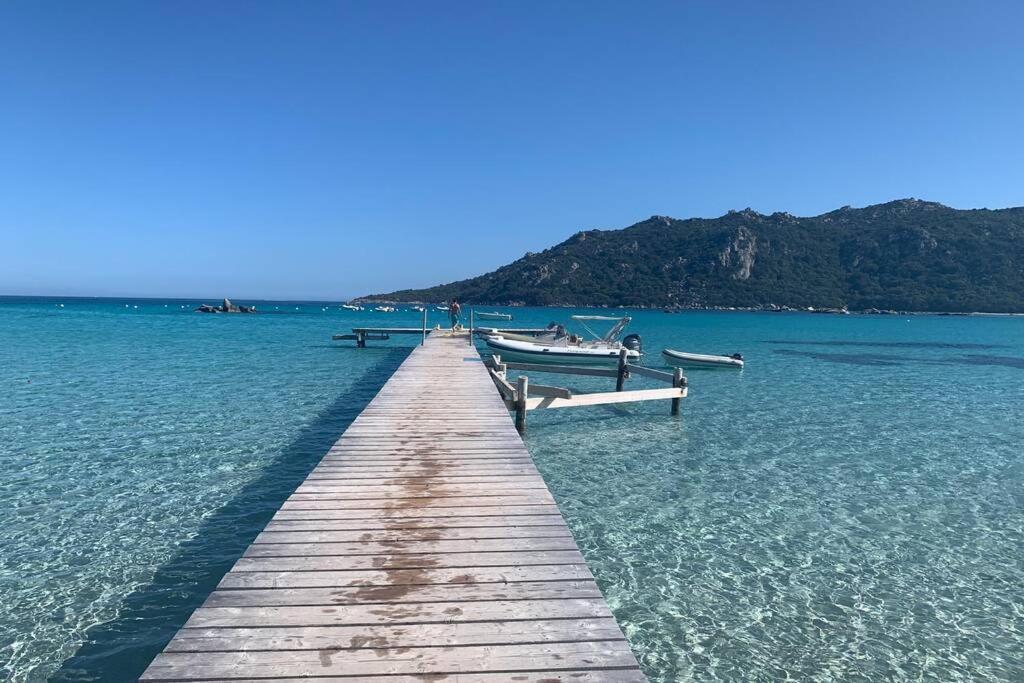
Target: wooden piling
522,391
678,381
623,372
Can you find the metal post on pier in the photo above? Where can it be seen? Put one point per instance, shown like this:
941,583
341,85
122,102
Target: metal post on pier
620,380
522,389
424,340
678,381
471,311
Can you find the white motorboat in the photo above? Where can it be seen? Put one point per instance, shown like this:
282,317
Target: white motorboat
350,307
701,360
492,316
569,349
418,309
441,308
385,309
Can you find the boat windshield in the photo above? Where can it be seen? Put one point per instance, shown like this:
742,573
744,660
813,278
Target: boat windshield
612,334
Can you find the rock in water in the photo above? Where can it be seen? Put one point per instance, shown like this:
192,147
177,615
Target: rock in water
225,307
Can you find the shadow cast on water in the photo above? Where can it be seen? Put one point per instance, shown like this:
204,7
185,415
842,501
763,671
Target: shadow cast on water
884,344
847,358
121,649
890,360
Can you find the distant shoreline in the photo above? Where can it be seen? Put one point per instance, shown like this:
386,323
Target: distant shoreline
771,308
10,298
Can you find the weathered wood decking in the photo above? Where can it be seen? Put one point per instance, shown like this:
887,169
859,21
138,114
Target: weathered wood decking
424,546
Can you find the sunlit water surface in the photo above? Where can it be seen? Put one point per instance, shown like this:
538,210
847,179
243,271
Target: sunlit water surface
850,506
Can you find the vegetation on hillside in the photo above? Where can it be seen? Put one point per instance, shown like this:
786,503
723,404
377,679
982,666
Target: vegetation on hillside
906,254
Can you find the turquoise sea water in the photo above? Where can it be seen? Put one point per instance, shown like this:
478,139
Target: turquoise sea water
848,507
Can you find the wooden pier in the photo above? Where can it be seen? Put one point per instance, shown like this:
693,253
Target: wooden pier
424,547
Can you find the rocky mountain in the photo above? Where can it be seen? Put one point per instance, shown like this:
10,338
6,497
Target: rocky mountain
906,254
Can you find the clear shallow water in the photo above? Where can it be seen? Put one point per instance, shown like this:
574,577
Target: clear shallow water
835,511
140,452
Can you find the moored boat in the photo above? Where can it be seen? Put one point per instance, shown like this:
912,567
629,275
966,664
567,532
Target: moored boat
492,316
701,360
569,349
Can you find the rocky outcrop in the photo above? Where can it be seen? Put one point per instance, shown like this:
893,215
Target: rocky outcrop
225,307
740,251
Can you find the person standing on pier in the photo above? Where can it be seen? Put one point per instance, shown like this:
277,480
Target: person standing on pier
454,310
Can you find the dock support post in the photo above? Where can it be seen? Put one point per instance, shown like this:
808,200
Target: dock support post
621,379
522,388
424,340
360,340
678,381
471,326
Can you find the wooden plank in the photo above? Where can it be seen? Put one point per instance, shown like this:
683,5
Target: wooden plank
406,534
504,388
410,546
415,613
606,397
562,676
354,637
392,524
520,558
401,577
550,392
408,594
423,546
400,515
414,503
418,486
421,469
361,662
649,372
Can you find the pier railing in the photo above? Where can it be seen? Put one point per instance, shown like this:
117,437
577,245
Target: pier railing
524,396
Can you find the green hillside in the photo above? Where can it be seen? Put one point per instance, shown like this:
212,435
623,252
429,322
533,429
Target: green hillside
906,254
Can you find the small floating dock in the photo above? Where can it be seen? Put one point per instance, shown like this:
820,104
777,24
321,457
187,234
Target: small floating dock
425,546
360,334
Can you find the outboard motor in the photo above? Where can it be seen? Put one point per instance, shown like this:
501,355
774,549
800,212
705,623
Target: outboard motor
633,342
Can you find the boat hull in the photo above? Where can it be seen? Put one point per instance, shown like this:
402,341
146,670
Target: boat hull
493,316
525,352
699,360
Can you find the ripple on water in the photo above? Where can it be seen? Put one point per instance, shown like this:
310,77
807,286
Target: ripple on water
802,520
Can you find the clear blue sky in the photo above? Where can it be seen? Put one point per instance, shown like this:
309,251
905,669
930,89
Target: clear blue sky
329,149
